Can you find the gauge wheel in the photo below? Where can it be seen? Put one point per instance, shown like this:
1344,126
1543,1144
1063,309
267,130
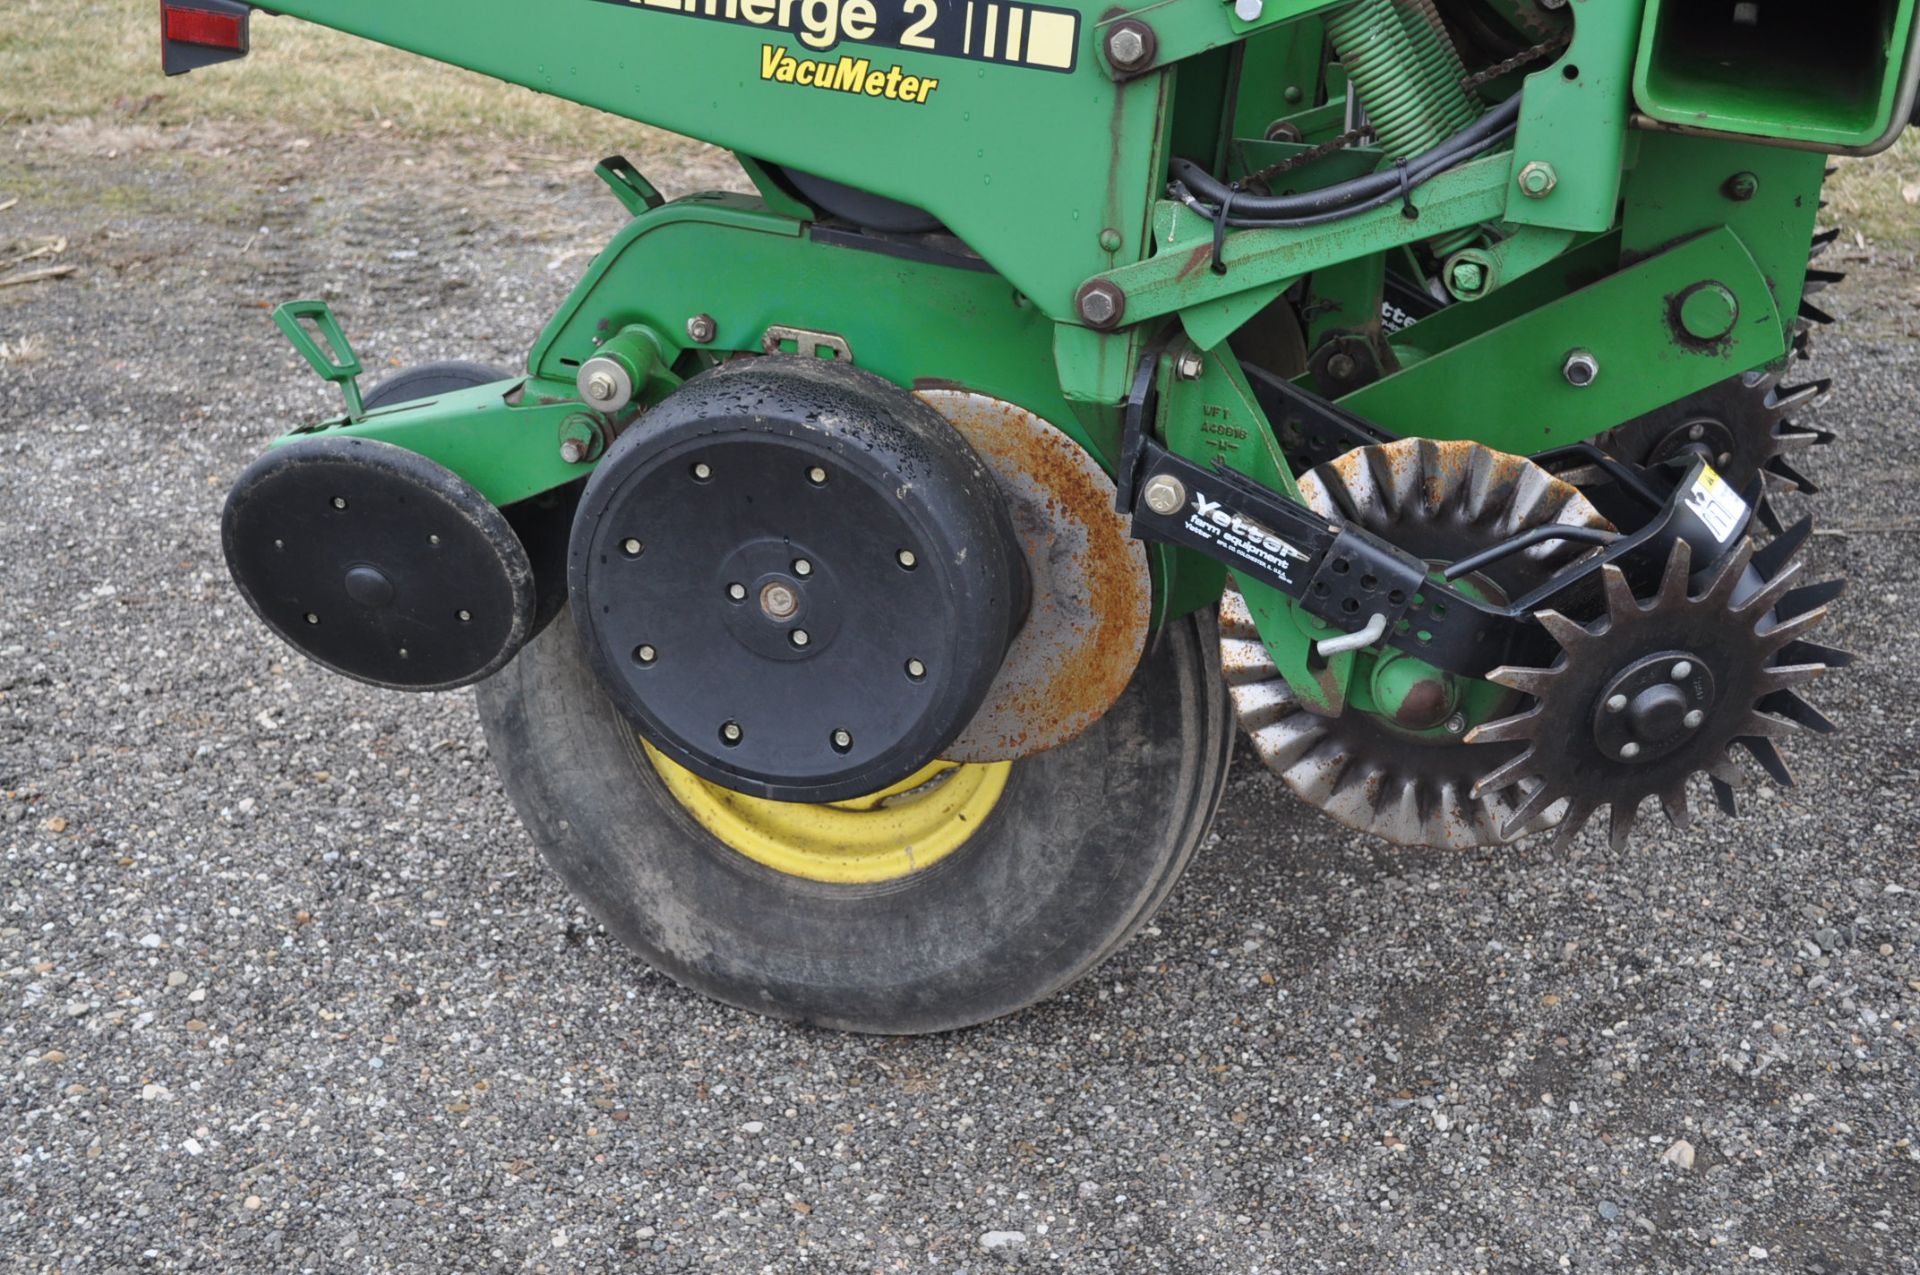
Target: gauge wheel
959,894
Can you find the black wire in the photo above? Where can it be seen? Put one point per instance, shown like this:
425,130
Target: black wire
1344,199
1526,539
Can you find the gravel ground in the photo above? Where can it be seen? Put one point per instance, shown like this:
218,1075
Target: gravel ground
283,986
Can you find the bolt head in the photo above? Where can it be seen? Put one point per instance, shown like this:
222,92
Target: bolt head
1249,10
907,558
800,637
1538,179
1616,703
779,602
1580,369
1457,724
1100,304
573,451
1693,719
1682,671
601,387
645,653
1469,277
1741,187
1629,750
731,732
1127,46
916,670
701,329
842,740
1341,367
631,547
1190,366
817,476
1164,494
702,470
802,568
737,591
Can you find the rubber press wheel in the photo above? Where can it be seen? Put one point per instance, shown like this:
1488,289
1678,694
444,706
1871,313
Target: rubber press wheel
958,895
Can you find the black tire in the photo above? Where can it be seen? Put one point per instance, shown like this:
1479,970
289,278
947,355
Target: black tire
1082,847
429,380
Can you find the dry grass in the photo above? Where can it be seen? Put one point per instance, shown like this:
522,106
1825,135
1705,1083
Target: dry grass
71,59
1880,196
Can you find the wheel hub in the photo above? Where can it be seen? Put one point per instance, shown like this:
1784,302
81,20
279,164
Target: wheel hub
1653,707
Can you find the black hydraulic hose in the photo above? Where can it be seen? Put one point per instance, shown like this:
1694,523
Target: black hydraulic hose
1341,198
1526,539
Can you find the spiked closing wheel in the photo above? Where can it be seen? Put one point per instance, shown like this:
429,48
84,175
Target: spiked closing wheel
1405,776
1654,691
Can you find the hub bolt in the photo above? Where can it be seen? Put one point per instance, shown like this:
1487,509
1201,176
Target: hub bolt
778,601
312,618
737,591
802,568
817,476
1629,750
907,559
842,741
916,670
800,637
466,617
631,547
1580,369
645,653
1616,703
339,502
1165,494
1693,719
1682,671
700,329
730,732
702,471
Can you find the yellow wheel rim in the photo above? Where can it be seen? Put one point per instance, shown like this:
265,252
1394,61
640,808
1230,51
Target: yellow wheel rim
881,837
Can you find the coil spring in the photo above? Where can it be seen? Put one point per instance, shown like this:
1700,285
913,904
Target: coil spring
1405,70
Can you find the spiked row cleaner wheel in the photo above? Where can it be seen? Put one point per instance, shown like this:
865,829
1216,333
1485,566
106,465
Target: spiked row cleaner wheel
1658,689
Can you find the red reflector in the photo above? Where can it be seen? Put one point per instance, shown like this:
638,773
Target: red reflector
196,26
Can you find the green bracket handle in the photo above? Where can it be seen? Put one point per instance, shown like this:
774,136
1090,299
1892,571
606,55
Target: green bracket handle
627,185
336,361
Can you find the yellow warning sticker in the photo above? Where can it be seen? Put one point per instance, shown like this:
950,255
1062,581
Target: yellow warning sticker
1716,504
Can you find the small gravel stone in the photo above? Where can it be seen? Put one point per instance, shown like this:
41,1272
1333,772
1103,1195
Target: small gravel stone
1003,1239
1680,1154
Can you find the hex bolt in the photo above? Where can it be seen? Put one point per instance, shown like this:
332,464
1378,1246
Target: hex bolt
631,547
702,471
1538,179
1468,278
1249,10
339,502
1285,130
701,329
312,618
842,740
1629,750
730,732
916,670
1616,703
1190,366
1696,432
1164,494
601,387
645,653
802,568
1741,187
1693,719
435,539
1129,45
737,591
1341,367
1580,369
1100,304
573,451
1457,724
817,476
800,637
465,616
1682,671
907,558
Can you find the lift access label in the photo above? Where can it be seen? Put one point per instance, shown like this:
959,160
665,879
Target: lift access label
1022,35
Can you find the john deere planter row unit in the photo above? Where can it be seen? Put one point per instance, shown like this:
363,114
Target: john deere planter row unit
864,575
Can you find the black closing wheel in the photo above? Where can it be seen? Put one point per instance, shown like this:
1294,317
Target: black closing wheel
955,896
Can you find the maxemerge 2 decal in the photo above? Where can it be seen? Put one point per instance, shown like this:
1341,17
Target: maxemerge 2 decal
1015,34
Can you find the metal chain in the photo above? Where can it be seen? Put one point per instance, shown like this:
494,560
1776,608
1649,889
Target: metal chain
1515,62
1350,138
1364,133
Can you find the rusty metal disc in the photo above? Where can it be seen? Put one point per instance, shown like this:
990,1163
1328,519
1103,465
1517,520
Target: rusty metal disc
1092,595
